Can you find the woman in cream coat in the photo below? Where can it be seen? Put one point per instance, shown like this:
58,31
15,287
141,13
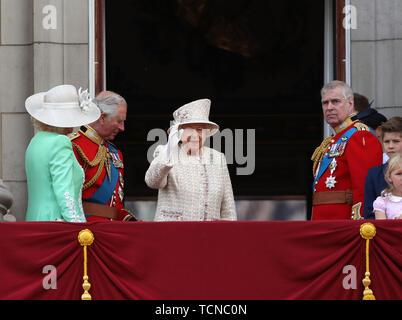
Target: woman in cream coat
54,176
193,180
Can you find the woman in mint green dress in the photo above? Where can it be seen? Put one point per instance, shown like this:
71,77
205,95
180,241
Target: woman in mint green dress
54,176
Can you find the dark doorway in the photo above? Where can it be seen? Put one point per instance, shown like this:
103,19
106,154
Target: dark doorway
260,62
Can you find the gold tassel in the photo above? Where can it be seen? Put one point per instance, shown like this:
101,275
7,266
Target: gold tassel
320,152
86,238
367,231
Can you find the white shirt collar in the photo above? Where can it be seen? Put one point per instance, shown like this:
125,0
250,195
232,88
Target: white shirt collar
395,198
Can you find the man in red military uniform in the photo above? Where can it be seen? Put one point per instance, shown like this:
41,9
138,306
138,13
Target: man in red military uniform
102,192
342,160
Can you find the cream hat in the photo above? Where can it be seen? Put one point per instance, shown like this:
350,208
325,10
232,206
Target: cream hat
62,106
195,112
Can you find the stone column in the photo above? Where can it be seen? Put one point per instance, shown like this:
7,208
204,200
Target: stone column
16,83
43,43
376,54
60,41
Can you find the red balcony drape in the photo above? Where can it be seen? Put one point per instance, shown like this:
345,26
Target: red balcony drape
200,260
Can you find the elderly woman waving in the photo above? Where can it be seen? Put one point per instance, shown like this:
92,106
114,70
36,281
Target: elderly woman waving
193,180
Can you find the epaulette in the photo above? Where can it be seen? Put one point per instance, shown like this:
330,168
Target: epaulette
91,134
73,135
361,126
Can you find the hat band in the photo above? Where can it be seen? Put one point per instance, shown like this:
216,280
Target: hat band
60,105
193,120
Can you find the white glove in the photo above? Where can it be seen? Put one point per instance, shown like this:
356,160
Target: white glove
173,142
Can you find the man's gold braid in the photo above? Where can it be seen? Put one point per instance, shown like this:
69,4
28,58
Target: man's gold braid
320,152
98,160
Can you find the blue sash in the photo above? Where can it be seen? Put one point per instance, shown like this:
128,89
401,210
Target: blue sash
105,191
327,160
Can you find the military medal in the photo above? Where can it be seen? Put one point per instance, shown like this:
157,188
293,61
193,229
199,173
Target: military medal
330,182
116,161
121,186
337,150
333,166
121,180
121,194
107,165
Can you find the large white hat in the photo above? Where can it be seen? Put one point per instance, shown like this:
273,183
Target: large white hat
62,106
195,112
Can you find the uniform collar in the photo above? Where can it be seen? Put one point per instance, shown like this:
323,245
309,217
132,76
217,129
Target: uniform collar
344,124
91,134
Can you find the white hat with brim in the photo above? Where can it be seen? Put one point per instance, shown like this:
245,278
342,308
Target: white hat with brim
195,112
63,107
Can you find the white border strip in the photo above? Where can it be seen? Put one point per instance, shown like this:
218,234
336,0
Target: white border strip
104,44
91,46
347,48
328,51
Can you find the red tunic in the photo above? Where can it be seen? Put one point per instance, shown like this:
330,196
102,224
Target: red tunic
89,142
362,151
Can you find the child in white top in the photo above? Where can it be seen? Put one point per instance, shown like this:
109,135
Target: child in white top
389,204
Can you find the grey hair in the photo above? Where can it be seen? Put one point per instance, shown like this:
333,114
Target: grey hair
109,103
346,90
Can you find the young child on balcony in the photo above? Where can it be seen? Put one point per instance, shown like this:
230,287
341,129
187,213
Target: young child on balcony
389,204
391,138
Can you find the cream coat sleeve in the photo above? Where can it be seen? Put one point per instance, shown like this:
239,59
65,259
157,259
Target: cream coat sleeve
156,175
228,208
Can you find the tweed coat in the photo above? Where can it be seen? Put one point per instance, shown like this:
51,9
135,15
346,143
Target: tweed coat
191,188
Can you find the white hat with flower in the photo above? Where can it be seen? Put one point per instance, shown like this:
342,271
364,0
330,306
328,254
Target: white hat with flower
63,106
195,112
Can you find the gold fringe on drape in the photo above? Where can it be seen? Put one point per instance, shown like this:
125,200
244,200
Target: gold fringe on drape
367,231
86,238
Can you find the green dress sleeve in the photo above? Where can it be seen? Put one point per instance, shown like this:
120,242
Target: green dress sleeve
66,180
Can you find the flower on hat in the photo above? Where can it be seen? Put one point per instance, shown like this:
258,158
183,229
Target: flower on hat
182,115
84,99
